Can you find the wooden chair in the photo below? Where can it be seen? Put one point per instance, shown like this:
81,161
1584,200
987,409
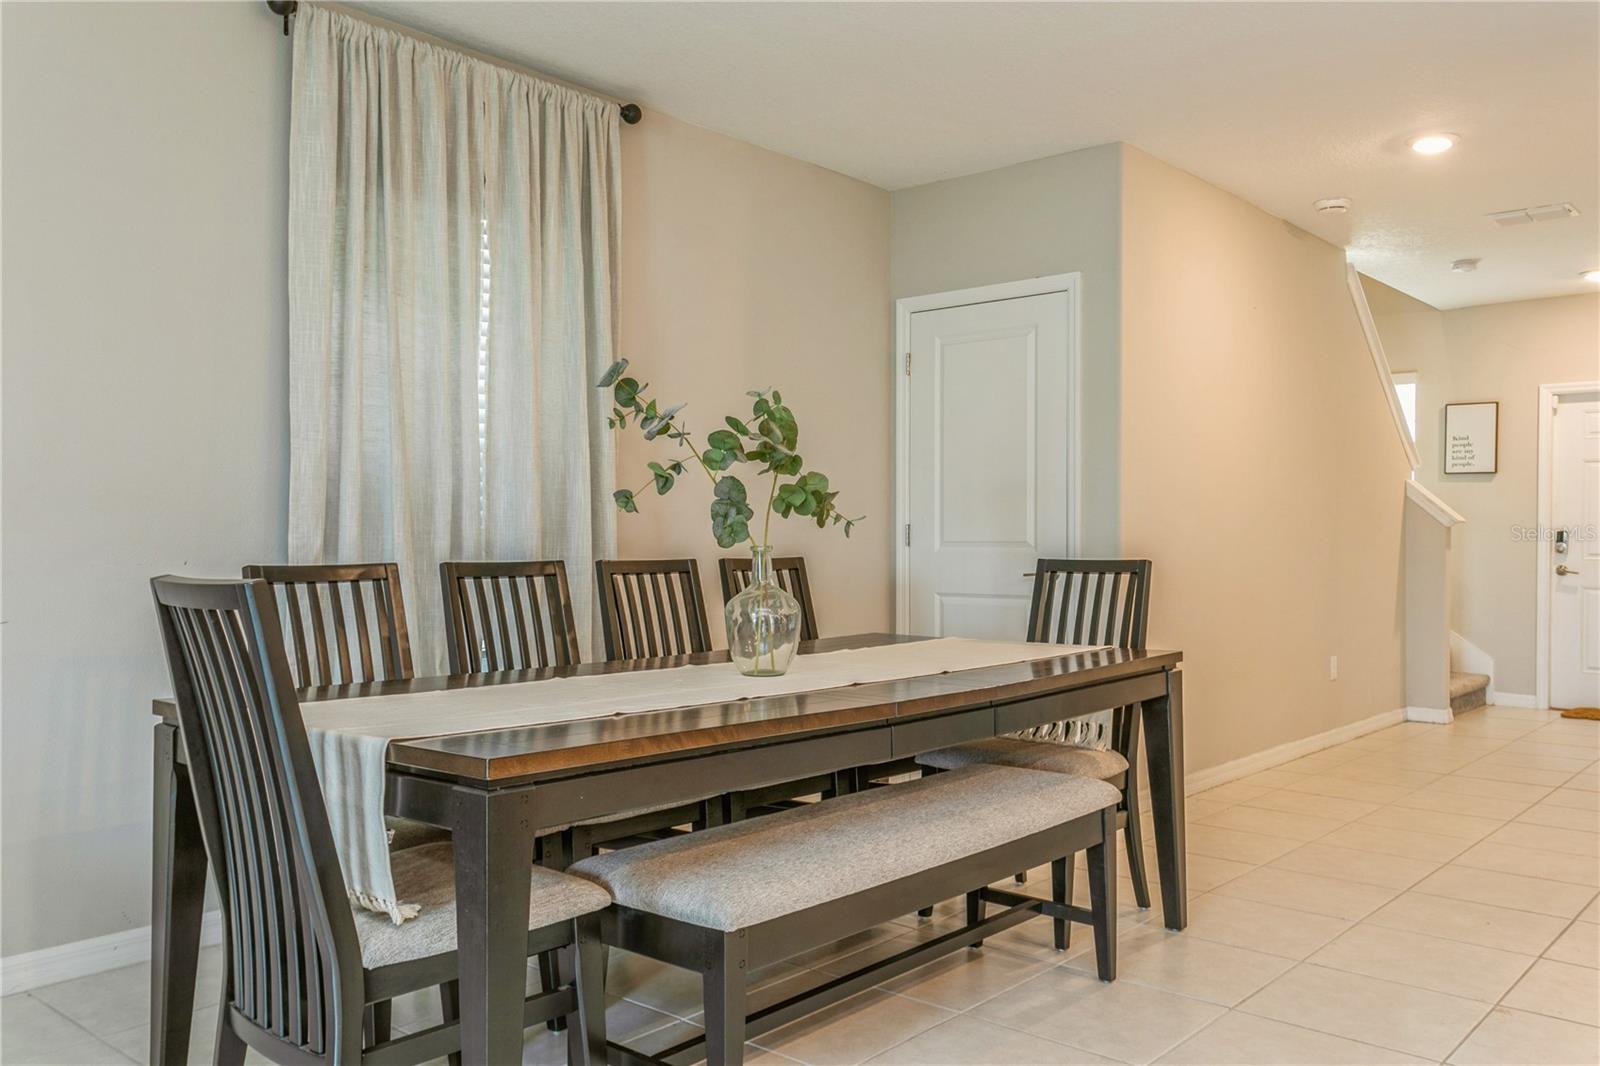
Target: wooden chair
328,606
790,573
500,620
301,965
651,608
1081,601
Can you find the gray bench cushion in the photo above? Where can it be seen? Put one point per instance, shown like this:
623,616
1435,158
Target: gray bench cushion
1029,755
735,876
427,875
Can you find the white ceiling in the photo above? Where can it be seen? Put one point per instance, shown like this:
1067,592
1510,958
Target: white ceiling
1280,103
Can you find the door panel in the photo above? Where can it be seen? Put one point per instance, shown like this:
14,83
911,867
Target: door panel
1575,596
989,430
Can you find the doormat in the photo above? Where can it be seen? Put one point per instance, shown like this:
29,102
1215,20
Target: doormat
1582,712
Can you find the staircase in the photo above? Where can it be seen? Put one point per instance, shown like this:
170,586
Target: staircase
1467,691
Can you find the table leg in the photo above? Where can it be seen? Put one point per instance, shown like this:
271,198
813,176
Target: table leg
1163,746
178,893
493,835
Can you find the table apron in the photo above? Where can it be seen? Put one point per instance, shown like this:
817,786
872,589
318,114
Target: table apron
691,776
1059,706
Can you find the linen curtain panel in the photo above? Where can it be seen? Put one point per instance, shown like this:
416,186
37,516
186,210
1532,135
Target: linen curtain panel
453,249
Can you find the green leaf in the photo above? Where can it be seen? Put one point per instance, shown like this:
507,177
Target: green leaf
732,489
664,478
730,513
724,441
613,372
789,465
717,459
625,500
627,392
777,397
738,427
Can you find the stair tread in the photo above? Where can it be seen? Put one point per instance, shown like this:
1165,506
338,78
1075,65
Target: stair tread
1463,683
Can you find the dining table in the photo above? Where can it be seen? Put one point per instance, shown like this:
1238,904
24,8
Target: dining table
493,790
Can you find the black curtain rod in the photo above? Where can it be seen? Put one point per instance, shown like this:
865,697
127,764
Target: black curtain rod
285,8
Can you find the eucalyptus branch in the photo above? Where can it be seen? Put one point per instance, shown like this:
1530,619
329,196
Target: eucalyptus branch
768,439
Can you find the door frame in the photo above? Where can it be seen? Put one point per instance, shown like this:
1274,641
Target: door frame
1549,396
904,308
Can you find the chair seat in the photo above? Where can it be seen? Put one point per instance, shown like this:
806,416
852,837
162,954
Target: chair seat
739,875
1029,755
427,875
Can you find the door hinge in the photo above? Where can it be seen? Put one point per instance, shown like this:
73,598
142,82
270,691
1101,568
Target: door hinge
908,362
908,534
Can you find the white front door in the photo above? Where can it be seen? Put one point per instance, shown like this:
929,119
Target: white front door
1575,572
989,418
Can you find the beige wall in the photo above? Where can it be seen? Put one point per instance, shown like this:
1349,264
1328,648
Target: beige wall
1501,352
1260,468
145,409
1050,216
744,269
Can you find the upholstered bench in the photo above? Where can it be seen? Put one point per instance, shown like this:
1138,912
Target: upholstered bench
727,900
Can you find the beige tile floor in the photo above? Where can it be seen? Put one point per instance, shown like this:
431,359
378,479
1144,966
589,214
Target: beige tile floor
1420,894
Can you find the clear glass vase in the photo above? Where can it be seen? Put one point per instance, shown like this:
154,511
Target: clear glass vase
763,622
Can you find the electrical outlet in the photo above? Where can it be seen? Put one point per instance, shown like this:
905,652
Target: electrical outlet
1333,668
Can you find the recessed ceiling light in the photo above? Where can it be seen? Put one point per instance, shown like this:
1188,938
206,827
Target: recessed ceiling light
1591,275
1433,143
1465,266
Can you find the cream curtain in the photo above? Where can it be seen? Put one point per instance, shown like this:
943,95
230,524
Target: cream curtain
453,231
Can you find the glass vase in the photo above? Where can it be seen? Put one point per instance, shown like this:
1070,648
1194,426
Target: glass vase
763,621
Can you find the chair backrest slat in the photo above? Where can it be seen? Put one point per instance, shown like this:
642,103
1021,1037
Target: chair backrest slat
790,572
1097,601
494,627
651,608
330,603
293,961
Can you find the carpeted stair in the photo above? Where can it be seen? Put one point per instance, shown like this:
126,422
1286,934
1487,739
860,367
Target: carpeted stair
1468,691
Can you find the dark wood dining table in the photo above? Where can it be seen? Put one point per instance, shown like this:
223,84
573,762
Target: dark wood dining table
494,790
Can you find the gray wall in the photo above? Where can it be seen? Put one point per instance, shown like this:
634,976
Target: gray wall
144,410
1048,216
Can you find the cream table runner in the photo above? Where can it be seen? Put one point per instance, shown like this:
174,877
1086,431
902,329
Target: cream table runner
350,738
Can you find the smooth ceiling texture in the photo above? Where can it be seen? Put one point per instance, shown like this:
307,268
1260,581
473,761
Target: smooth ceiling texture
1282,104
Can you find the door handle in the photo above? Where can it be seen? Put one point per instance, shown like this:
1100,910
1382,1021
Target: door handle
1029,573
1563,570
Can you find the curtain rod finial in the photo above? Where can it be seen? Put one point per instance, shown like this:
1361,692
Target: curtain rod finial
631,114
284,8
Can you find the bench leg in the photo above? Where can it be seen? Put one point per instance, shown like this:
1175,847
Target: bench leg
1103,895
975,911
584,966
1061,892
724,996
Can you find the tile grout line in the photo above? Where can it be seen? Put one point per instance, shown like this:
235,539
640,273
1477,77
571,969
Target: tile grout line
1500,1003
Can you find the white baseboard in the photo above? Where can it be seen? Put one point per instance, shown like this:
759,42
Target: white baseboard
1436,715
48,966
1513,699
1213,776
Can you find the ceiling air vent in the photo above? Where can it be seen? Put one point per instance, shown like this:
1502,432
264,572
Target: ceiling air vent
1524,215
